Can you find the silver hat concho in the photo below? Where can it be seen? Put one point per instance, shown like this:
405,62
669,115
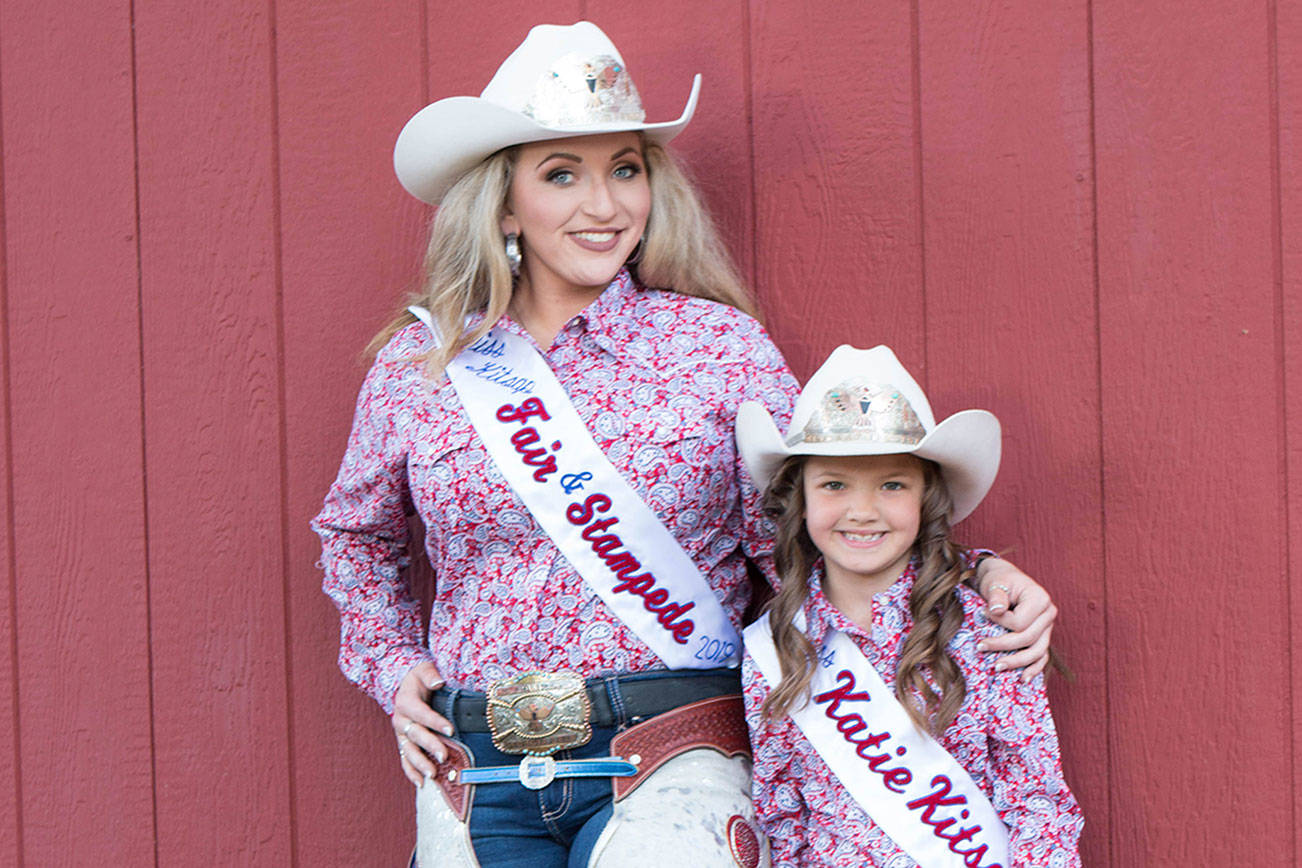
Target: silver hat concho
857,410
581,91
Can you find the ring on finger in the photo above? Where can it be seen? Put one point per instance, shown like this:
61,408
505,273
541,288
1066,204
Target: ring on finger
1000,586
406,730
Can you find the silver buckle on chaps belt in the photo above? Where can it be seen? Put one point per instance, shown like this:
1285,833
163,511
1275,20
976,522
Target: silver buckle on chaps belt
539,713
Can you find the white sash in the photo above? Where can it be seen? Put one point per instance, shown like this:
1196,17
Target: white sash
536,438
912,788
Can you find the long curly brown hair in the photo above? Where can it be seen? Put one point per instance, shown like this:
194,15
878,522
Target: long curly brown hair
935,607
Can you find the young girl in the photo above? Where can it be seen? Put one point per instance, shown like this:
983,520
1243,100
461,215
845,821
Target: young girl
880,735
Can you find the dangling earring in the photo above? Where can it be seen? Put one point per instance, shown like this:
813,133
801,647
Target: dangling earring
636,257
513,257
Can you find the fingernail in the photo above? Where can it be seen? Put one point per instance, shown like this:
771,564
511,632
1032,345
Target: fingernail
1000,667
447,730
997,610
981,646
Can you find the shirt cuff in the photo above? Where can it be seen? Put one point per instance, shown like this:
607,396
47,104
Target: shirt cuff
392,669
972,558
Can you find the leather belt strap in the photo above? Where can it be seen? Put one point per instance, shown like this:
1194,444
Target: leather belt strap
718,724
599,767
639,697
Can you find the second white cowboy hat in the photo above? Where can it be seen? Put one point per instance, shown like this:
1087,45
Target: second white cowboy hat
863,402
562,81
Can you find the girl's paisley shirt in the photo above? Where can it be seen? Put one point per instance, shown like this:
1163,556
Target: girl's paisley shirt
1003,736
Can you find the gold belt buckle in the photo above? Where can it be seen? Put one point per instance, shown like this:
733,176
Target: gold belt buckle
539,713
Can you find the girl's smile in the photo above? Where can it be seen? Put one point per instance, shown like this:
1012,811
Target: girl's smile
862,538
863,512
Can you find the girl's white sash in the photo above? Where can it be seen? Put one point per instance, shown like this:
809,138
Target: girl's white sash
614,540
912,788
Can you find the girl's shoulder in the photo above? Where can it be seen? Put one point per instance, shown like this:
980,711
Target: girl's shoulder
976,623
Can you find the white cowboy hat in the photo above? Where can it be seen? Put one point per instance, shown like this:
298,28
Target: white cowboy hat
562,81
863,402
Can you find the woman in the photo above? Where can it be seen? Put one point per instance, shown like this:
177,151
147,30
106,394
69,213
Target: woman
565,432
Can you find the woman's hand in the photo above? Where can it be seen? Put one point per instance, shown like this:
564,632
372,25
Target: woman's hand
1016,602
416,724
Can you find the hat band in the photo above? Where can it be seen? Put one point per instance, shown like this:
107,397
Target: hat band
905,437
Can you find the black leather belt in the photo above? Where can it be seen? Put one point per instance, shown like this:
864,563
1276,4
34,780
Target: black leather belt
616,700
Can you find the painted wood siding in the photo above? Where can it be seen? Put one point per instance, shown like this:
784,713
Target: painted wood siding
1084,215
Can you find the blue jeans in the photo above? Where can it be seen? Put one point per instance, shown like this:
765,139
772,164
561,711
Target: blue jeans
555,827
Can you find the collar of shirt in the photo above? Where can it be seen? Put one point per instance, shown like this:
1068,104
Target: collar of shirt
822,617
607,320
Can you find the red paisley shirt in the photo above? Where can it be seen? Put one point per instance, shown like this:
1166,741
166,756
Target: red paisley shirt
657,377
1003,736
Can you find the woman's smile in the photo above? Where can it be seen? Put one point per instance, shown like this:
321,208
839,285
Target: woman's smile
580,207
597,240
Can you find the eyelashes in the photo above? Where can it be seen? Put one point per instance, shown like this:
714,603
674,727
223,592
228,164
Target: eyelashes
564,177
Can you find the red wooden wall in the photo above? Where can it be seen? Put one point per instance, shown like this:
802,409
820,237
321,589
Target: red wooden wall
1085,215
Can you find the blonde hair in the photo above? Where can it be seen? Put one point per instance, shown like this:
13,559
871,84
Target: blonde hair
466,270
682,249
935,607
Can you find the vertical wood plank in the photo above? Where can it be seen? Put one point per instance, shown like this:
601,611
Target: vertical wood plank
465,50
1008,203
1193,496
1288,70
664,44
73,377
349,77
10,780
212,418
837,214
